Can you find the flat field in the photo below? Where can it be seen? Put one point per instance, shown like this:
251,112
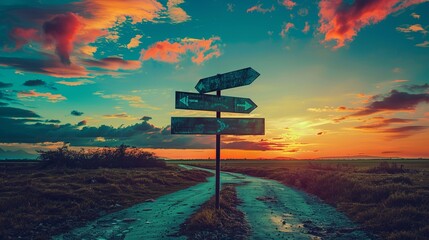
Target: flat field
37,203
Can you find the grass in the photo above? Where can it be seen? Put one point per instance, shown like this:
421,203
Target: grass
386,198
208,223
37,203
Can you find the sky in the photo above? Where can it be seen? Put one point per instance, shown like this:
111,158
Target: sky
337,78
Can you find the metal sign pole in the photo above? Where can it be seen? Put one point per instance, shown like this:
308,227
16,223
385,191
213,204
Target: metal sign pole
218,161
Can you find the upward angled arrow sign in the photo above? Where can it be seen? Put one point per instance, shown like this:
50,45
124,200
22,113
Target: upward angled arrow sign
227,80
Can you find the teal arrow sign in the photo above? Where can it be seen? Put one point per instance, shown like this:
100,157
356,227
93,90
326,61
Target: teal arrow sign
232,79
225,126
195,101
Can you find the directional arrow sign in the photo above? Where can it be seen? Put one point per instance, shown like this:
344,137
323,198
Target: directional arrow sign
195,101
232,126
232,79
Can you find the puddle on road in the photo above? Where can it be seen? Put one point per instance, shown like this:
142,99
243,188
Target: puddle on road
283,225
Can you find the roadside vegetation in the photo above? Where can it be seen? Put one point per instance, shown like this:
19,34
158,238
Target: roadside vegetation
210,224
122,156
388,200
64,191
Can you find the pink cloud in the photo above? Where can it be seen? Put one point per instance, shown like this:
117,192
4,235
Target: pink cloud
259,8
22,36
171,52
289,4
62,30
341,21
286,28
306,28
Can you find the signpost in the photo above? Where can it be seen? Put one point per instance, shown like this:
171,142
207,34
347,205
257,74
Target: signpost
218,126
195,101
225,126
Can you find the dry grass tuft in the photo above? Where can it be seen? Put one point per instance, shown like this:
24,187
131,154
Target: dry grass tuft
209,223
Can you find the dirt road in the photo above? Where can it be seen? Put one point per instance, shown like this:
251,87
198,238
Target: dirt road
273,210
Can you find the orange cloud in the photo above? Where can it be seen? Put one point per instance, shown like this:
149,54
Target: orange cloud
134,42
412,28
341,21
177,14
33,94
76,83
165,51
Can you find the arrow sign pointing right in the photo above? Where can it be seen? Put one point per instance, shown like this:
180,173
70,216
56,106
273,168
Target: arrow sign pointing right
227,80
195,101
226,126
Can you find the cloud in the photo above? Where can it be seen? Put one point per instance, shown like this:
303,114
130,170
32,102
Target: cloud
22,36
383,122
230,7
141,134
33,94
259,8
62,30
401,132
412,28
286,28
177,14
17,113
171,52
113,63
424,44
306,28
417,88
76,113
340,21
394,101
36,83
134,42
5,85
133,101
399,80
76,83
119,116
289,4
415,15
145,118
249,145
82,123
46,65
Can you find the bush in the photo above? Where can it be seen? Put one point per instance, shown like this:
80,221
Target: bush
120,157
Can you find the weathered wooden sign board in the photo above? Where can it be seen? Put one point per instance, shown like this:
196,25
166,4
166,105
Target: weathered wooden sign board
218,126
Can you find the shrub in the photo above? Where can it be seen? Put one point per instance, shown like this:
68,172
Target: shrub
120,157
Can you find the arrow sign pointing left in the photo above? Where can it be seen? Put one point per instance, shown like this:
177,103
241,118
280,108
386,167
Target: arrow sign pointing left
195,101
